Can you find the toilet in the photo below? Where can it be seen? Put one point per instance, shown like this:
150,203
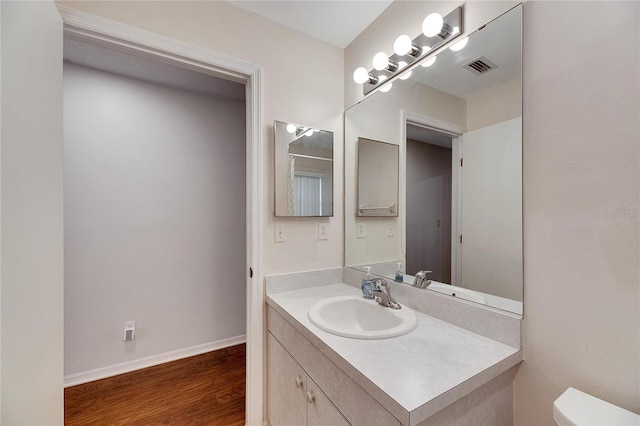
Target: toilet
576,408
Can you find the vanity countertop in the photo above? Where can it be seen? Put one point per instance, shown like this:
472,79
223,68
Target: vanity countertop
414,375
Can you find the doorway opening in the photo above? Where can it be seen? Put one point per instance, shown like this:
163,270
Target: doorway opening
431,176
428,211
104,33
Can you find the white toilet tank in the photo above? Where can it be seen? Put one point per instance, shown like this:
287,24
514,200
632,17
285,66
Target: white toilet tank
576,408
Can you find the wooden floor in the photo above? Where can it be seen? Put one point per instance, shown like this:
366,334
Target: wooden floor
206,389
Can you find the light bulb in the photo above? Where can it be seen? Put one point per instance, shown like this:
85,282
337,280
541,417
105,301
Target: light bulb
380,61
403,45
432,25
429,62
291,128
460,45
361,75
425,49
406,75
401,64
386,87
309,132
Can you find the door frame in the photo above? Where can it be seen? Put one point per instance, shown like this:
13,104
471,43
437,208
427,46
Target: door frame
456,132
105,32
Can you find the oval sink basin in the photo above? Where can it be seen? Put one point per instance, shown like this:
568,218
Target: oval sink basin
460,292
359,318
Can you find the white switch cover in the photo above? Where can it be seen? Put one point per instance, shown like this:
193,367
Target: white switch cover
361,230
390,229
322,231
280,236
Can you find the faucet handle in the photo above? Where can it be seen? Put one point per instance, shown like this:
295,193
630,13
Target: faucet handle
381,284
420,279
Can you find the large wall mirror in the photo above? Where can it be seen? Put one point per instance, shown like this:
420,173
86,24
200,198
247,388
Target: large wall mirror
303,170
457,121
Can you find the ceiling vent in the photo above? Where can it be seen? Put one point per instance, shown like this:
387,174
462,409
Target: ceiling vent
480,65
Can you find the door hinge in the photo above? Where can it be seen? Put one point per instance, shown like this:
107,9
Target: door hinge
250,272
460,238
461,162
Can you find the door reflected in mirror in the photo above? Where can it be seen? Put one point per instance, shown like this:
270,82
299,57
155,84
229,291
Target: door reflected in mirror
303,170
458,123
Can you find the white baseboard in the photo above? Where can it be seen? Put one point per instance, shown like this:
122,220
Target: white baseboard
137,364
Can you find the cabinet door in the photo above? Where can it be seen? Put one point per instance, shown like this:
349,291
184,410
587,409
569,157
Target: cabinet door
320,410
286,387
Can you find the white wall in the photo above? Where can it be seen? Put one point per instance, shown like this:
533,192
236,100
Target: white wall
302,83
581,180
491,216
154,189
32,242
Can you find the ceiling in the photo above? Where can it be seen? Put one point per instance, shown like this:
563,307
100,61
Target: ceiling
337,22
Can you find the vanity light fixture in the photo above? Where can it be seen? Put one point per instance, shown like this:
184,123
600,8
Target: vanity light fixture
436,31
432,25
381,62
404,46
361,76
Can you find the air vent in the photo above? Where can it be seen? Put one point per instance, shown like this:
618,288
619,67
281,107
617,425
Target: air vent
480,66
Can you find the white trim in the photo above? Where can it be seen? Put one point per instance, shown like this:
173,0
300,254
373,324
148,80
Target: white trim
83,26
150,361
456,210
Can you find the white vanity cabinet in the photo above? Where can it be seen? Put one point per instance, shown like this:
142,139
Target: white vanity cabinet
294,399
338,399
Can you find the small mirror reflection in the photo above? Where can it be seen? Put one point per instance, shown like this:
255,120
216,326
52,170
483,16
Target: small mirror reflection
303,170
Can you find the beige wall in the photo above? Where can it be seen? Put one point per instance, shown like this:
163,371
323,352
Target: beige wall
302,83
495,104
581,183
581,180
32,241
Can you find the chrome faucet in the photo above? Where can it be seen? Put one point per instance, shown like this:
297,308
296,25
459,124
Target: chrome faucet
420,280
382,294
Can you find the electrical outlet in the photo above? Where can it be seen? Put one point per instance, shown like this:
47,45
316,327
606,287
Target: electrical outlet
322,231
361,230
129,330
280,236
390,229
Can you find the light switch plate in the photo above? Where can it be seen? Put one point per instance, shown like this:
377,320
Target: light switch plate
390,229
361,230
322,231
280,236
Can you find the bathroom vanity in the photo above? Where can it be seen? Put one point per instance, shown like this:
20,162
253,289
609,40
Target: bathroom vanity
437,373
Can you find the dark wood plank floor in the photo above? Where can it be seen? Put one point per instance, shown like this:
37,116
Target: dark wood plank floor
207,389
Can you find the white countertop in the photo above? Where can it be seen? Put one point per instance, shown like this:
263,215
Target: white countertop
413,369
